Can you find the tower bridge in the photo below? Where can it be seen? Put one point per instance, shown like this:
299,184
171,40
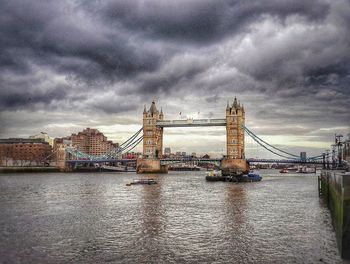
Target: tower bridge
151,134
153,128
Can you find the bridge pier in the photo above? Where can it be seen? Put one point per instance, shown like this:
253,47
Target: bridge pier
61,158
150,166
232,166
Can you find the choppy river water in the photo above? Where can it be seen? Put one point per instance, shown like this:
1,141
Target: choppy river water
96,218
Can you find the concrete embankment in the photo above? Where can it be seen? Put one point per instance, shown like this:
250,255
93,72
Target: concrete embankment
28,169
335,189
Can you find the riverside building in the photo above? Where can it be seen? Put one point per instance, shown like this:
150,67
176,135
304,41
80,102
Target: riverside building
23,151
93,142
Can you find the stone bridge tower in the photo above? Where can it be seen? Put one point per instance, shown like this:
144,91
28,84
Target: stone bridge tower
152,134
235,159
152,142
235,118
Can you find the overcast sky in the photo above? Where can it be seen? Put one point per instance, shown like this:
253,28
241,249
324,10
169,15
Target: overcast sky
67,65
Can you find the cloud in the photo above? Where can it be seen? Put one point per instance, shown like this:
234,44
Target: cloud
287,61
203,21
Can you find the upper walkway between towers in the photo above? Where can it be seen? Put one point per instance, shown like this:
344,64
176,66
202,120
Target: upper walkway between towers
192,122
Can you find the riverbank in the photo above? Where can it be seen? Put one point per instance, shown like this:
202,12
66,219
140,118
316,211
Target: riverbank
335,189
28,169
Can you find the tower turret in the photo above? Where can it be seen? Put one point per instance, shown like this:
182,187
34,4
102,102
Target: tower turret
235,102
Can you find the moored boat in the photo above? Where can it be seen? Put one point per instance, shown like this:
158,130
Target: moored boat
117,169
305,169
250,177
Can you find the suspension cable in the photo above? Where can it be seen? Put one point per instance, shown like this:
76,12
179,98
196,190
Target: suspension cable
253,135
257,141
131,138
136,143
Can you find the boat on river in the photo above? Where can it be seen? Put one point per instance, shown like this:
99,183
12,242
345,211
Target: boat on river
117,168
142,181
305,169
213,173
239,177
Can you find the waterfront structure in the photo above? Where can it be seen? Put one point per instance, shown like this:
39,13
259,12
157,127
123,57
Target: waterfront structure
235,117
59,146
66,141
23,151
44,136
303,155
346,150
153,124
334,186
152,141
92,142
235,158
167,151
152,134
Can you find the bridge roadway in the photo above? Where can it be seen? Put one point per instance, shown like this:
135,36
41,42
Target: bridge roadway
165,161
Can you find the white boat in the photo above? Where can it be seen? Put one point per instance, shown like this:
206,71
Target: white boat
213,173
305,169
118,169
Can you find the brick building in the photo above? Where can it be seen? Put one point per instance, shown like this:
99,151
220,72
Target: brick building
23,151
93,142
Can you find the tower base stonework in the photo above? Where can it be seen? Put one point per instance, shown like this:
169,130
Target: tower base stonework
61,158
234,166
150,166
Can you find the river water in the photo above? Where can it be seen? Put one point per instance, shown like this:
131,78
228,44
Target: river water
96,218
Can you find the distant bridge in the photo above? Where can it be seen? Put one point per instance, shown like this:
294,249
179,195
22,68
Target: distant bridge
285,161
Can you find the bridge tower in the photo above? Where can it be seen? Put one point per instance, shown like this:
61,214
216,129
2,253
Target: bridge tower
152,142
235,159
235,117
152,134
61,157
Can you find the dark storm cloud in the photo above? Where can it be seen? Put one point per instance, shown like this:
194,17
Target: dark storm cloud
288,61
57,35
204,21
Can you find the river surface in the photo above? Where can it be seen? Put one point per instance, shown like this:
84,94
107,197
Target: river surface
96,218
